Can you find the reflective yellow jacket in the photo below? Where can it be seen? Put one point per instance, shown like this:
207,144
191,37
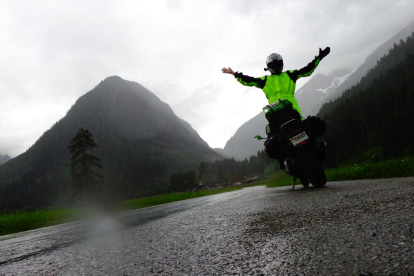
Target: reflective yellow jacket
280,86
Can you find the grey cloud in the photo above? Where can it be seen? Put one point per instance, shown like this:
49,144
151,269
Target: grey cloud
199,105
54,51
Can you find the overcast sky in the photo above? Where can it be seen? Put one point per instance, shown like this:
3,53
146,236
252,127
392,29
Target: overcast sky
52,52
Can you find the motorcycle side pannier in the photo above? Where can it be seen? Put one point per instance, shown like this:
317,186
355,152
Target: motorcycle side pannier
273,148
315,126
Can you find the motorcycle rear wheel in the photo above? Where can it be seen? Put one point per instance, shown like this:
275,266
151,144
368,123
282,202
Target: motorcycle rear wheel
318,177
304,181
314,170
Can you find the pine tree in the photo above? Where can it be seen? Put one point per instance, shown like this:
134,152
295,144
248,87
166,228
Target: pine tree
86,181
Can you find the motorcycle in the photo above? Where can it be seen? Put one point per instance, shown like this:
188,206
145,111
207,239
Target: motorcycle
292,141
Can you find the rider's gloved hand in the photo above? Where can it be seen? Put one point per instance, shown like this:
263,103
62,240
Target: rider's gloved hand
324,53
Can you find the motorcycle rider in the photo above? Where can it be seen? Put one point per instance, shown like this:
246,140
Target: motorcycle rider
279,85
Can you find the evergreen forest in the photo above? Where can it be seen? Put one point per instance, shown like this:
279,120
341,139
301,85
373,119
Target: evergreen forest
222,172
374,117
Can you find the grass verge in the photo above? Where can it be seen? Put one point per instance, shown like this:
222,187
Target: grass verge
23,221
402,167
370,170
278,179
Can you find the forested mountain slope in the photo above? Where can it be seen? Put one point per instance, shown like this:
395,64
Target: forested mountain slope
371,61
140,141
313,94
377,112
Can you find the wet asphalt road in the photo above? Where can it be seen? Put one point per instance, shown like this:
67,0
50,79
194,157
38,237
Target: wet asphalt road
348,228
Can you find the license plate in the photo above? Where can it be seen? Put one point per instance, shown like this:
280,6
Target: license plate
296,140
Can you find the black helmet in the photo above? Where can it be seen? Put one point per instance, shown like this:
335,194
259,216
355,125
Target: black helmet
274,63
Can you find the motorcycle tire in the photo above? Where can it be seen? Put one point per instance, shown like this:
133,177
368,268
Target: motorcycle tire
304,181
318,178
314,170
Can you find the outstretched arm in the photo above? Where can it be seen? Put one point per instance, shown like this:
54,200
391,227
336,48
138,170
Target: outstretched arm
308,69
246,80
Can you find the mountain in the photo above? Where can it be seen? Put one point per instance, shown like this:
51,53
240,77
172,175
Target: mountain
373,119
242,145
140,141
314,93
371,61
4,158
323,88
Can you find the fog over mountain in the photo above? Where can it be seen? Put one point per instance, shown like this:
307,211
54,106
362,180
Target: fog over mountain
370,62
314,93
242,145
